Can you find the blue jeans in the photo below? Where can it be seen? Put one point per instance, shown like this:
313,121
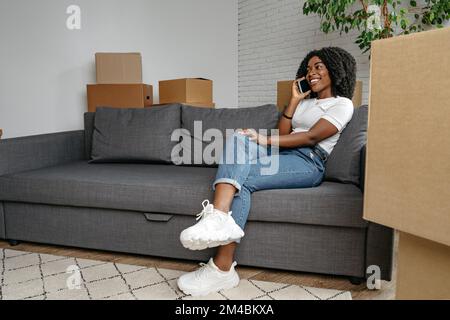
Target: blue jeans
297,168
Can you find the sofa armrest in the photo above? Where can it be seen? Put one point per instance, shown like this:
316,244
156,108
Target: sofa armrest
34,152
362,168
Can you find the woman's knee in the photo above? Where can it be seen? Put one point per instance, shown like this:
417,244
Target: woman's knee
236,146
237,137
248,187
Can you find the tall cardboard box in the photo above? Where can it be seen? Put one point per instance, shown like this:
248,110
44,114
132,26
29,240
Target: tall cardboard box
284,89
407,183
188,90
118,68
119,96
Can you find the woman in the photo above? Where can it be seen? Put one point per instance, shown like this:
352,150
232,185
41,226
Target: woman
308,130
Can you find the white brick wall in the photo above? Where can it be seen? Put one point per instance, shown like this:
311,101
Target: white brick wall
274,37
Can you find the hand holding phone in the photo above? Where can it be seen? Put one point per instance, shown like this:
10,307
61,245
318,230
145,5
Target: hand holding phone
300,89
303,85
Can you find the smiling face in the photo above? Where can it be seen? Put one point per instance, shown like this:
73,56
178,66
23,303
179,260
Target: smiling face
319,78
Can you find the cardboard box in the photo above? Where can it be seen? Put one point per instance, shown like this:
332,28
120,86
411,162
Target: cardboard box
357,95
407,183
192,104
119,96
118,68
423,270
407,179
201,104
284,88
188,90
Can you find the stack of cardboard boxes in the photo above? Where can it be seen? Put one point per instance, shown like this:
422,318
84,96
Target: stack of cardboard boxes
119,85
119,82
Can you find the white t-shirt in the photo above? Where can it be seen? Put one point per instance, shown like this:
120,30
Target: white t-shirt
338,111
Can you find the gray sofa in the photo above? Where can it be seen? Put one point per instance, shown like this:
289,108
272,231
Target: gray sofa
50,193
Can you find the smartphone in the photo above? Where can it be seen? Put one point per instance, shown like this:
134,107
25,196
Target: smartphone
303,86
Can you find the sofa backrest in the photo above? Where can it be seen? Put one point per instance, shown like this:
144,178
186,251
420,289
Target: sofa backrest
261,117
127,116
135,134
344,161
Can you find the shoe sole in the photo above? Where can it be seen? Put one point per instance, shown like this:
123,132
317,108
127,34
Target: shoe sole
195,245
234,283
201,245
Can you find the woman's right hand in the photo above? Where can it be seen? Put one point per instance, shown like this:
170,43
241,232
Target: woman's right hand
297,96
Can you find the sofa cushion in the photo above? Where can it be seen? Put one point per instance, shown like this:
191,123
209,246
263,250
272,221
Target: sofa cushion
176,190
261,117
134,135
343,165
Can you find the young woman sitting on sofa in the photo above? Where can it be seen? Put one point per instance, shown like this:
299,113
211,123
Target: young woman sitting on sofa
309,128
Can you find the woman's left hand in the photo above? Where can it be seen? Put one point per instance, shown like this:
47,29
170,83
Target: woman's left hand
255,136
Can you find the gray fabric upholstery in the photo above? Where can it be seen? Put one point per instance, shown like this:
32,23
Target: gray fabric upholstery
169,189
261,117
330,204
104,229
2,222
379,251
33,152
344,162
89,118
134,135
307,248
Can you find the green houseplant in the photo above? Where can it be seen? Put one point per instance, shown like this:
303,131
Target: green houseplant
378,19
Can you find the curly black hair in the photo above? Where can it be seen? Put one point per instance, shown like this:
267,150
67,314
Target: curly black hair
341,67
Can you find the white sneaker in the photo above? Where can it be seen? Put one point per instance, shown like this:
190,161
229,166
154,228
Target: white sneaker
215,228
207,279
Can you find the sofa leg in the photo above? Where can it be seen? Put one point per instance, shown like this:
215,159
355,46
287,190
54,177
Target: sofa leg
13,243
356,280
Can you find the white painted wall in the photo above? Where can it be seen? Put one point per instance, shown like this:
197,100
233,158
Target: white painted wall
274,37
44,67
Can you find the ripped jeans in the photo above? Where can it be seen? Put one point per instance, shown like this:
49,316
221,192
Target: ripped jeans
266,168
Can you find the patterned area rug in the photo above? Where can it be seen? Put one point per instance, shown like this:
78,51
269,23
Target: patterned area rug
26,275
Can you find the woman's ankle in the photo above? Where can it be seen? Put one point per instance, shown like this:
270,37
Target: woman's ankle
223,208
222,264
